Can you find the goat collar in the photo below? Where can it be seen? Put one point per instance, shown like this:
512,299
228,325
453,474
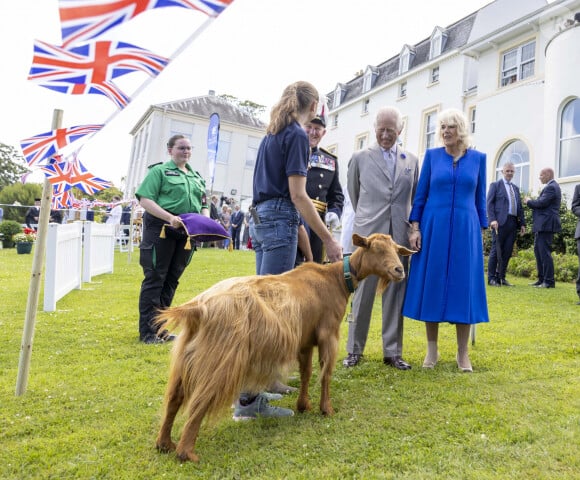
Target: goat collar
347,274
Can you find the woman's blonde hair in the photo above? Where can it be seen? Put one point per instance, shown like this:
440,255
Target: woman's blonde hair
296,99
453,116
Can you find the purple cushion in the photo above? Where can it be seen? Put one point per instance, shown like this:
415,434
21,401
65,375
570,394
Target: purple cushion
202,228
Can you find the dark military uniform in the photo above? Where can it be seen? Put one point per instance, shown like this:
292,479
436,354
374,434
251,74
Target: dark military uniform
164,259
323,187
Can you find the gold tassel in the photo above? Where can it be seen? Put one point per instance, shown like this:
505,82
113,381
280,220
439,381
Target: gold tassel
187,244
162,234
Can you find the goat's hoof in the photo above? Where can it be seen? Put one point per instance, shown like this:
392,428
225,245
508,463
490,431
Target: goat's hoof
165,447
303,407
327,412
186,456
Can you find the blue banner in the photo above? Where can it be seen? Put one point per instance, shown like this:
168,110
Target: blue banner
213,137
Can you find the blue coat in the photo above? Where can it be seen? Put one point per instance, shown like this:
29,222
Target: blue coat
446,279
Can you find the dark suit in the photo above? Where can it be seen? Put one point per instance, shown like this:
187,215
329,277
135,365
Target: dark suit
546,216
576,211
31,218
508,226
236,221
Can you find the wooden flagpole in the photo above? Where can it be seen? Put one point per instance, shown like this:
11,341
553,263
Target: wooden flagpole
35,278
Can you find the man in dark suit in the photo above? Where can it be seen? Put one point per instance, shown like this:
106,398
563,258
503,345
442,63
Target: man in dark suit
32,214
237,221
214,214
506,217
576,211
546,216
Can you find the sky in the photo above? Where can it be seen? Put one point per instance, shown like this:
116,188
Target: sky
252,51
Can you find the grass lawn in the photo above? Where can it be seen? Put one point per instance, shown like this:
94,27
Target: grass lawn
94,396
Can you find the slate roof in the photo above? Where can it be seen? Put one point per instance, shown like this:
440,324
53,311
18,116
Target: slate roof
457,36
205,105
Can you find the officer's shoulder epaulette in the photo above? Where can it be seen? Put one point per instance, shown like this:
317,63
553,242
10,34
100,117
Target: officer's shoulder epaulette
326,152
154,165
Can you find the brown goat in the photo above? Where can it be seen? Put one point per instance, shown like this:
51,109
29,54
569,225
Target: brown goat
241,333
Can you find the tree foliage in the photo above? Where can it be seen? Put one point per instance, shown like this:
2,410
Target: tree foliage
19,196
12,165
252,108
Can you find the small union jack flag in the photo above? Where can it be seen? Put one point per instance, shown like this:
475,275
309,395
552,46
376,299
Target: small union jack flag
44,145
62,197
72,173
92,67
108,89
82,20
58,174
84,180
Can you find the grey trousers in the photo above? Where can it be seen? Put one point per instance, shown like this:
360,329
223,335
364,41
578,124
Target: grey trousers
392,325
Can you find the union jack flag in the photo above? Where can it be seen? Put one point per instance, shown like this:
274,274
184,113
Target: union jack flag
59,174
84,180
110,90
39,147
91,67
72,173
62,197
82,20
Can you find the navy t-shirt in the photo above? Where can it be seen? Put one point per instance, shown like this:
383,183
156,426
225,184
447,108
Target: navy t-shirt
279,157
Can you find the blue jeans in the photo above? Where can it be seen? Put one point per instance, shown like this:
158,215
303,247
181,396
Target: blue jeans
275,238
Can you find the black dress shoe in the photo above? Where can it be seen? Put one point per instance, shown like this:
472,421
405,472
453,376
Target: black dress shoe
166,336
352,360
505,283
494,283
535,284
545,285
397,362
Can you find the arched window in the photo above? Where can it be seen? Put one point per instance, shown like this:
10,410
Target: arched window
517,153
569,161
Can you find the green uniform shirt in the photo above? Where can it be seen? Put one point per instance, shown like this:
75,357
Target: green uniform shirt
173,190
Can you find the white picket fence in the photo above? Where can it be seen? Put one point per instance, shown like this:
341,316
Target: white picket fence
75,252
99,249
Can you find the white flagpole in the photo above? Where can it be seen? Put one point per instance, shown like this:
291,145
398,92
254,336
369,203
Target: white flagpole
34,288
173,56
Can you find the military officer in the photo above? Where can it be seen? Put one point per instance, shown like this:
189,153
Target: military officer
322,184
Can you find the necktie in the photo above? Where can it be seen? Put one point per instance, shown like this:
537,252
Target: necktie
391,164
513,208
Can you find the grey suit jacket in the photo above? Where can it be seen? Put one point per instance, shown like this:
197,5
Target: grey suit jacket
576,209
381,204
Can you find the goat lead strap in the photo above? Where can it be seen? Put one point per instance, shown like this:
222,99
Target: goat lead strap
347,275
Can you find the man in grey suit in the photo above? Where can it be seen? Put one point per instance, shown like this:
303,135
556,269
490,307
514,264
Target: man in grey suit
576,211
381,183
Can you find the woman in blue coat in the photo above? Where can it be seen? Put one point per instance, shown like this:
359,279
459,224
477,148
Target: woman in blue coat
446,278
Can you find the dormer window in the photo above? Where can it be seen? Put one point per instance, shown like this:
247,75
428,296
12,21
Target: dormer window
438,38
369,78
406,59
338,92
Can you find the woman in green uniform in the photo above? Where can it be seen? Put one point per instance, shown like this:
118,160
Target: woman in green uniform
169,189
